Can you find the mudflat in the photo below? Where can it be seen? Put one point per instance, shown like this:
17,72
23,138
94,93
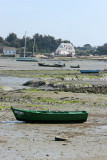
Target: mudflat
24,141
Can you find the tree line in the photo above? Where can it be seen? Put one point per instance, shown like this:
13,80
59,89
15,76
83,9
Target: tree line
87,49
41,44
47,44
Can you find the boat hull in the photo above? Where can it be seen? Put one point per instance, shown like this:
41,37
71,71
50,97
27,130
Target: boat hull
75,66
27,59
89,71
49,65
50,116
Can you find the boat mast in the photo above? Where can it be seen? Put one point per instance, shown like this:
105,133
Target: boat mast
25,45
33,46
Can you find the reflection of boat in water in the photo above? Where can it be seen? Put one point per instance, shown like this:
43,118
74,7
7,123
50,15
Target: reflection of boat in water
51,65
78,66
28,59
89,71
50,116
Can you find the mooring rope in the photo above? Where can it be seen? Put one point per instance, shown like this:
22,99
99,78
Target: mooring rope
5,113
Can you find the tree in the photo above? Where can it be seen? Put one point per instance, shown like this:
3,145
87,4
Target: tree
87,46
12,37
1,40
43,43
102,50
105,45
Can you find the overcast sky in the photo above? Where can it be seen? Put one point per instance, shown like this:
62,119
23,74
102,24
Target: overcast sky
80,21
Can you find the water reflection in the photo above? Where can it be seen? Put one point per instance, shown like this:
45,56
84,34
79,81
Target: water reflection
13,82
12,122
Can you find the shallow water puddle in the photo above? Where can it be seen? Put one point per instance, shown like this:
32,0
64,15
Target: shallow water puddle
11,83
103,127
12,122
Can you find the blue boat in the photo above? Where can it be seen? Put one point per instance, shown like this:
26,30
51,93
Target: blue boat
89,71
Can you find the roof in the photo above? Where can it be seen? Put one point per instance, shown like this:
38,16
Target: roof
67,45
9,48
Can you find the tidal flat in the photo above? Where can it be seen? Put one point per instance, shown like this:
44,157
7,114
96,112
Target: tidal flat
24,141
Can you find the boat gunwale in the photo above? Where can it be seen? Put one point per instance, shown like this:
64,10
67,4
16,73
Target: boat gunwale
50,112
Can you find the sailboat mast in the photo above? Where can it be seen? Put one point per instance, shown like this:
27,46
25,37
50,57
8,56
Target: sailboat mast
25,45
33,46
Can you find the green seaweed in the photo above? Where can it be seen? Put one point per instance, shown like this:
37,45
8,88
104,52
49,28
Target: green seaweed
4,107
54,101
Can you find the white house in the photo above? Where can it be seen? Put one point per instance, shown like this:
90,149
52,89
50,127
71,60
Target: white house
65,49
9,50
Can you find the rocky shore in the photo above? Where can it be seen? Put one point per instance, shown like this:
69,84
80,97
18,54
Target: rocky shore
76,88
77,84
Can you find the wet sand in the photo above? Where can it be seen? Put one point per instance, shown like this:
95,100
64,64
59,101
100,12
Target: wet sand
25,141
12,64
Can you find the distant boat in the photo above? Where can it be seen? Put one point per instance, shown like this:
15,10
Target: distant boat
59,138
31,59
51,65
89,71
78,66
50,116
27,59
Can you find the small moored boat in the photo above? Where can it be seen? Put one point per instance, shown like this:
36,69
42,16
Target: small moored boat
50,116
51,65
78,66
89,71
27,59
58,138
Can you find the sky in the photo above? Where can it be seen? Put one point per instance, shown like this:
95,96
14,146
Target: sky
79,21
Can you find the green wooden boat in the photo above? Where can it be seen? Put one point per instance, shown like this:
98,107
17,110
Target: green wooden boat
50,116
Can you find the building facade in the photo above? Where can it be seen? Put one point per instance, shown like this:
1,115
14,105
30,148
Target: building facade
9,50
65,49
